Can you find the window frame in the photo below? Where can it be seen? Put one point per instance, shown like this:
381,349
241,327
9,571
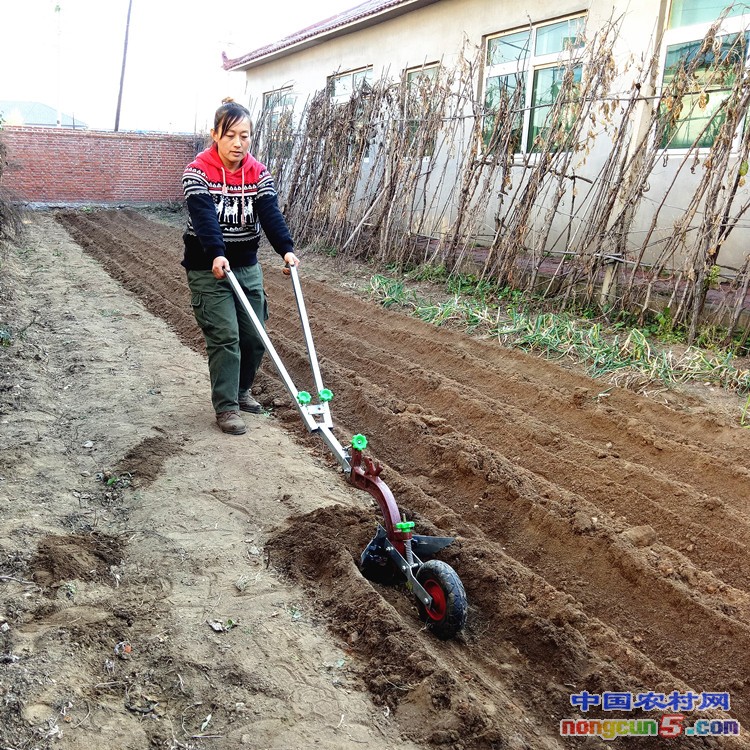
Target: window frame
432,71
695,33
341,98
726,5
283,106
271,116
525,67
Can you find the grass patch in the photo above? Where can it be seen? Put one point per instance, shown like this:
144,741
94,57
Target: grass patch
623,354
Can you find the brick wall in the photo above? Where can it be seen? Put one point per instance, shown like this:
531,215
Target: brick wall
58,165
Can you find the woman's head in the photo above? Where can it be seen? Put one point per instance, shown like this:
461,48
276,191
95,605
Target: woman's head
229,114
231,133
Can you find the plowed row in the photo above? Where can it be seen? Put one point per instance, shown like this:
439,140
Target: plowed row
548,483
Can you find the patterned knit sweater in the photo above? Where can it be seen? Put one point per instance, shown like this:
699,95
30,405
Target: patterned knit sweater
226,211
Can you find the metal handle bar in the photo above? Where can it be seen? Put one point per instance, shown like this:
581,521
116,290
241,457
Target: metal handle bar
308,413
306,329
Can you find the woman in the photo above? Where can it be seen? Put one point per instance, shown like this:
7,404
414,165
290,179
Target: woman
230,196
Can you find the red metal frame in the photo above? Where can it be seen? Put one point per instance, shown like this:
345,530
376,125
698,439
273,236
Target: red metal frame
367,477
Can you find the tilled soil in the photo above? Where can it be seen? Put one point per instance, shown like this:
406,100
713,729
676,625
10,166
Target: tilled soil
138,605
601,537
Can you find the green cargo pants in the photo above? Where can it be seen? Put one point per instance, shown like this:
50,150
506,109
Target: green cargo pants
234,348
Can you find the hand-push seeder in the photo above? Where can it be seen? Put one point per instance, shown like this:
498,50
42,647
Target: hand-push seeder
395,553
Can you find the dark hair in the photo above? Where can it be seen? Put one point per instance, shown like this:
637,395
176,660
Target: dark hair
229,114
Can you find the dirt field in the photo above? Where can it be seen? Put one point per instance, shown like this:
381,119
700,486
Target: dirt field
164,585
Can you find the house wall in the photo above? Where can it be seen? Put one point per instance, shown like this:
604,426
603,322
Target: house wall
438,32
57,165
435,32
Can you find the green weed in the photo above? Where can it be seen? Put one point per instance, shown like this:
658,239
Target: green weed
711,336
712,280
743,417
435,274
328,250
621,351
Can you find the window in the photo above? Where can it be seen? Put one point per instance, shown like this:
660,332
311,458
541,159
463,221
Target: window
548,83
696,117
504,94
690,12
278,106
342,85
524,76
420,84
697,78
341,88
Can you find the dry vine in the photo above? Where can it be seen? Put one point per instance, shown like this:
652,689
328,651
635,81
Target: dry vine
11,225
421,171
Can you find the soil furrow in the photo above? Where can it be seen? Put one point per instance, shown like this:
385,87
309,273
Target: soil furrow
614,487
598,536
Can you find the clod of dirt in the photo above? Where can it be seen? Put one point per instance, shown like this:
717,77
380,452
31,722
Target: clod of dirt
640,536
144,462
75,557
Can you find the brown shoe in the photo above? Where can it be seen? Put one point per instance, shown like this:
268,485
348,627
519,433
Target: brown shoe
248,403
231,423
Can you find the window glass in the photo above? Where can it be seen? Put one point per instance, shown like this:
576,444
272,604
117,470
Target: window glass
548,84
278,107
361,78
508,48
343,86
559,37
521,80
688,12
421,76
278,99
504,94
698,114
419,86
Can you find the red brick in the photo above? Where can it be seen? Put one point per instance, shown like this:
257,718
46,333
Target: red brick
86,166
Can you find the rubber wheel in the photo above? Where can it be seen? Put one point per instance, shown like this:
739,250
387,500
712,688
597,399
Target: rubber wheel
447,615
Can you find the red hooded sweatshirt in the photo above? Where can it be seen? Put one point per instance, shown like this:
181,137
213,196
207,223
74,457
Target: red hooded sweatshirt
226,211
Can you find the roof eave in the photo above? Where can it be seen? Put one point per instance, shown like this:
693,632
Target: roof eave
361,23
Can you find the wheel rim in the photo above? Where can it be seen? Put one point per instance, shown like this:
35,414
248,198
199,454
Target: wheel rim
439,605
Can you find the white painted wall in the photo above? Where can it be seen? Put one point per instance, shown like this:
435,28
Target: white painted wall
439,32
422,36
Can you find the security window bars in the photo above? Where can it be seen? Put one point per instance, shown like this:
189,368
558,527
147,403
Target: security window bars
525,72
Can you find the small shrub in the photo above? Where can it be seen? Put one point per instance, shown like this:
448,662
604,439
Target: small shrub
711,337
11,225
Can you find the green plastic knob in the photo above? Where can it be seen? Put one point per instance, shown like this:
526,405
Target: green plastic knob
359,442
405,526
304,398
326,395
